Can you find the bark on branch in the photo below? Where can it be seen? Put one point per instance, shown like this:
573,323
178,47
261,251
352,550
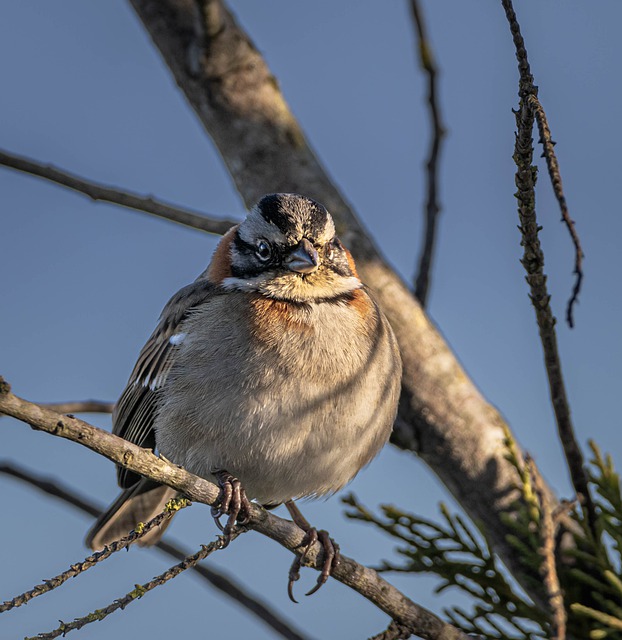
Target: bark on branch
103,193
362,579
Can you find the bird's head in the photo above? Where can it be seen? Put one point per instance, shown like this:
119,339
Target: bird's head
286,249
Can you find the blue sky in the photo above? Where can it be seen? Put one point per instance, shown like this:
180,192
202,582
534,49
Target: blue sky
83,283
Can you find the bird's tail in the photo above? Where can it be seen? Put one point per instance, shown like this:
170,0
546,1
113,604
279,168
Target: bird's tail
139,503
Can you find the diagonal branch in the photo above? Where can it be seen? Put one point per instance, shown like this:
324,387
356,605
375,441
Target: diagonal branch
142,461
138,592
426,59
104,193
93,559
533,262
217,579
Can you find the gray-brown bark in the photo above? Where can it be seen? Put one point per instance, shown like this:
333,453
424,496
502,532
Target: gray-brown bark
443,417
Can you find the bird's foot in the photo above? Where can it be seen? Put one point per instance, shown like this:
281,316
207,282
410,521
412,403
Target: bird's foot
233,503
331,552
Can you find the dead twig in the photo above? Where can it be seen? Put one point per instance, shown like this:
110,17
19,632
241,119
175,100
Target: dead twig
217,579
533,262
135,594
101,192
428,64
556,179
80,567
528,93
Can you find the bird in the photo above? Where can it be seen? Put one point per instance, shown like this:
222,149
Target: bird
274,374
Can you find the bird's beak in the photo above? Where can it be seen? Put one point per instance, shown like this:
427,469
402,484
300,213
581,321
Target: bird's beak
304,258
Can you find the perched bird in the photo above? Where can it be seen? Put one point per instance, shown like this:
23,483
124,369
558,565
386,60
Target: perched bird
274,373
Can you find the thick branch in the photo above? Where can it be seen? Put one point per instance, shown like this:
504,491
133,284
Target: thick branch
443,417
426,59
362,579
104,193
217,579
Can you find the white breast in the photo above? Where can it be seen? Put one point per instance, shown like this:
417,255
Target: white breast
294,411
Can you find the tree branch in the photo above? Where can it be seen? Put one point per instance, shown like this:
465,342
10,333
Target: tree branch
93,559
217,579
80,406
528,93
443,416
142,461
556,180
533,262
138,592
548,568
393,632
104,193
428,64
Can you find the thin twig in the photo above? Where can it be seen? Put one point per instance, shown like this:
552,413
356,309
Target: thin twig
428,64
99,556
135,594
81,406
533,262
365,581
127,199
556,179
548,568
218,580
528,93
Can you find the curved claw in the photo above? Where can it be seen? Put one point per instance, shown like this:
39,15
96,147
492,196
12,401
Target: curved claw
294,571
294,574
233,502
216,514
331,561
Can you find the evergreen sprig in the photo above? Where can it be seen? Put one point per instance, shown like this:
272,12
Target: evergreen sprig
589,571
461,558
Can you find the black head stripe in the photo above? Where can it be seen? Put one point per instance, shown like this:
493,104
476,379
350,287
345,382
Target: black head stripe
294,215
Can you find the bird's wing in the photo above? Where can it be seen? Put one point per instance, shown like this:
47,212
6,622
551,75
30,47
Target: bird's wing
136,409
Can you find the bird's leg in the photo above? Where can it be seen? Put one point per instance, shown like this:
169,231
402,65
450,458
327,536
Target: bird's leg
331,551
233,502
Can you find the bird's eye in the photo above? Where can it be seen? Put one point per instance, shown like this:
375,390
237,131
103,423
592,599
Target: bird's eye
331,247
263,250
